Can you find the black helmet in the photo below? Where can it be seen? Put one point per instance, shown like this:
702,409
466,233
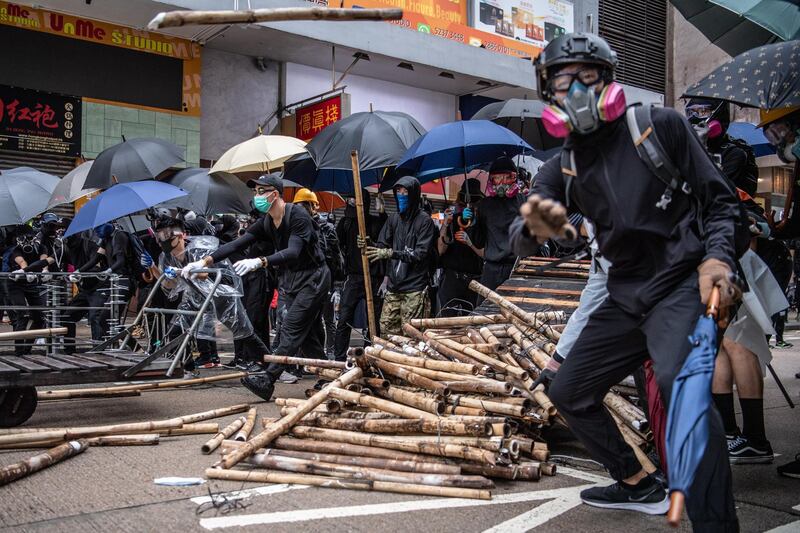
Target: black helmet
573,48
721,111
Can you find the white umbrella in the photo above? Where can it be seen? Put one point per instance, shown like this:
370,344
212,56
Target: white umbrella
265,153
70,188
24,193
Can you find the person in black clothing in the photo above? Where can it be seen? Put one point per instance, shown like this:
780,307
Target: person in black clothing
304,278
663,266
353,290
460,246
408,241
23,289
498,210
81,247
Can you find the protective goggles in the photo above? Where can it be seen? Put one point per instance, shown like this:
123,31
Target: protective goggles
563,81
167,234
700,111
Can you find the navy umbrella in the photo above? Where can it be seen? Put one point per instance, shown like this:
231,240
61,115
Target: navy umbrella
24,193
121,200
381,138
208,194
690,408
133,160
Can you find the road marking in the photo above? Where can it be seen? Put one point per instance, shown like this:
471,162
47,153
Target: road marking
388,508
538,515
796,507
791,527
242,494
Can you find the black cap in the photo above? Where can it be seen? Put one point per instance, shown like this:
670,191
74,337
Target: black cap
503,164
273,180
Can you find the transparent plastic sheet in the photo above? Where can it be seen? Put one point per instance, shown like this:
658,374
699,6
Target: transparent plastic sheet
226,305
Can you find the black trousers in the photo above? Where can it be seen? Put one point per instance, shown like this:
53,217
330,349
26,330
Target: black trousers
23,293
454,295
301,324
494,274
352,293
86,297
611,346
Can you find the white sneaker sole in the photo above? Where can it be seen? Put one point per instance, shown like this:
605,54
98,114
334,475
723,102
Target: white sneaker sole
795,476
657,508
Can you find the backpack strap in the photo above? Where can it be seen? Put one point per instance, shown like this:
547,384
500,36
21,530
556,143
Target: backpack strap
650,150
569,171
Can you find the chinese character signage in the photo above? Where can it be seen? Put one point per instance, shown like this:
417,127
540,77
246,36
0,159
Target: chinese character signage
312,119
35,121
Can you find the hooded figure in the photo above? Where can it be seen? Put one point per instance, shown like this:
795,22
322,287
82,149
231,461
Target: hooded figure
407,240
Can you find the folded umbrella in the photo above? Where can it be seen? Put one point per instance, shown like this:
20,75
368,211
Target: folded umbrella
208,194
121,200
24,193
72,186
523,117
264,153
767,77
133,160
380,137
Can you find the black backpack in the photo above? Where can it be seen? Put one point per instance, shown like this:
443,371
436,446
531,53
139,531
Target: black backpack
642,130
333,253
749,174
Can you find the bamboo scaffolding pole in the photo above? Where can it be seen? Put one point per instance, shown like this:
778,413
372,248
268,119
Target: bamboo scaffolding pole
79,395
400,426
213,443
486,386
247,428
499,366
547,469
173,19
63,394
215,413
304,466
488,336
31,334
304,361
431,364
41,461
191,429
402,410
474,337
284,424
343,448
490,406
410,377
511,308
342,483
398,443
456,321
146,439
512,472
325,373
362,232
91,431
439,346
292,403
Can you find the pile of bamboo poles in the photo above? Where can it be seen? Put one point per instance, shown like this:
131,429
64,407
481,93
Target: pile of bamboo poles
440,411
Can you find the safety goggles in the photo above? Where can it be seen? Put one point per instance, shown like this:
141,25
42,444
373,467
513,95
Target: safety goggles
699,111
167,234
503,177
777,132
563,81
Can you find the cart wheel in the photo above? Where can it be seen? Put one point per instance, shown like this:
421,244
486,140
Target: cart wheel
17,405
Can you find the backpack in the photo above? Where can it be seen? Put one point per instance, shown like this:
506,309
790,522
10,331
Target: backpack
642,131
750,172
333,253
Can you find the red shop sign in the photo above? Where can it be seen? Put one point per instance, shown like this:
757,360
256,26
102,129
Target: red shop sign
312,119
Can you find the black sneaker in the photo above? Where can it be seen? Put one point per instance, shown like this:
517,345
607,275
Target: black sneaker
743,451
651,499
783,344
259,382
791,469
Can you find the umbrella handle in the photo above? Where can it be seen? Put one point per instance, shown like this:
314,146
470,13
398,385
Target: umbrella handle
712,309
676,501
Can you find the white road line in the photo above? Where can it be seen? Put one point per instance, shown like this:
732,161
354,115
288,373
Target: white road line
796,507
538,515
791,527
257,491
584,475
303,515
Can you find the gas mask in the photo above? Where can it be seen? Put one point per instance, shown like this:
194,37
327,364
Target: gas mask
786,143
508,187
26,243
583,111
703,119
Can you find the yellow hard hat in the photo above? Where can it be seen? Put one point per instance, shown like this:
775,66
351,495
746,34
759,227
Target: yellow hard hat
771,115
305,195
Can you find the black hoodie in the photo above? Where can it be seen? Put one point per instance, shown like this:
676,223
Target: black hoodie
347,232
411,236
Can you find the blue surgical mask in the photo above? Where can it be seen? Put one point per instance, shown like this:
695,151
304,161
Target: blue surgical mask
402,203
261,204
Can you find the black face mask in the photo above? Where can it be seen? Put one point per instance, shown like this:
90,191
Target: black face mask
167,245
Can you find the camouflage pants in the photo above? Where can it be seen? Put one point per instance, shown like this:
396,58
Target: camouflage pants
400,307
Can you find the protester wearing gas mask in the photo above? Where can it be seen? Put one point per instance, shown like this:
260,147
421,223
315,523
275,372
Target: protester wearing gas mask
24,290
663,268
782,130
460,245
407,241
498,210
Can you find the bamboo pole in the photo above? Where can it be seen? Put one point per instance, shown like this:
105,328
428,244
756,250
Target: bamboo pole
410,377
386,406
226,432
485,386
304,361
304,466
92,431
173,19
342,483
400,426
145,439
481,357
362,232
343,448
402,359
140,387
434,343
509,307
41,461
247,428
191,429
488,336
456,321
215,413
31,334
284,424
42,396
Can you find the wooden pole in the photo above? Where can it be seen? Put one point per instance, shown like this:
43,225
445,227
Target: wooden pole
175,19
243,433
41,461
362,232
305,361
344,448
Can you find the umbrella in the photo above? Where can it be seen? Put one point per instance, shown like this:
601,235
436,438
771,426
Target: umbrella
381,138
739,25
752,135
264,153
523,117
690,410
767,77
121,200
71,186
134,160
211,193
458,147
24,193
328,201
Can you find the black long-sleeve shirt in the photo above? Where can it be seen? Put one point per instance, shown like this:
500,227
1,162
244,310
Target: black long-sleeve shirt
651,250
116,255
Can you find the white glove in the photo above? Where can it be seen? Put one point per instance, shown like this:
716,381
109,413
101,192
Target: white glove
75,277
384,288
246,265
17,274
46,276
30,277
186,271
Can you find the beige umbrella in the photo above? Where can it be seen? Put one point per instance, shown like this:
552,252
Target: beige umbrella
71,186
265,153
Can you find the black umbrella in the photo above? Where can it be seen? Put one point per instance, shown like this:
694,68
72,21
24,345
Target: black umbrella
133,160
381,138
767,77
523,117
209,194
24,193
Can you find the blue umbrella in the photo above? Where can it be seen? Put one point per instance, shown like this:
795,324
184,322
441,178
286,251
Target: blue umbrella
752,135
121,200
458,147
690,410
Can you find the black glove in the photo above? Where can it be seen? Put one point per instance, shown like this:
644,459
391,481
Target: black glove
548,373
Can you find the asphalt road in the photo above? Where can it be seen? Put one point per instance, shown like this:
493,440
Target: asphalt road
112,489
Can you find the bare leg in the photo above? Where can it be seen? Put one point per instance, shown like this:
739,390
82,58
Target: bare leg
746,371
723,373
